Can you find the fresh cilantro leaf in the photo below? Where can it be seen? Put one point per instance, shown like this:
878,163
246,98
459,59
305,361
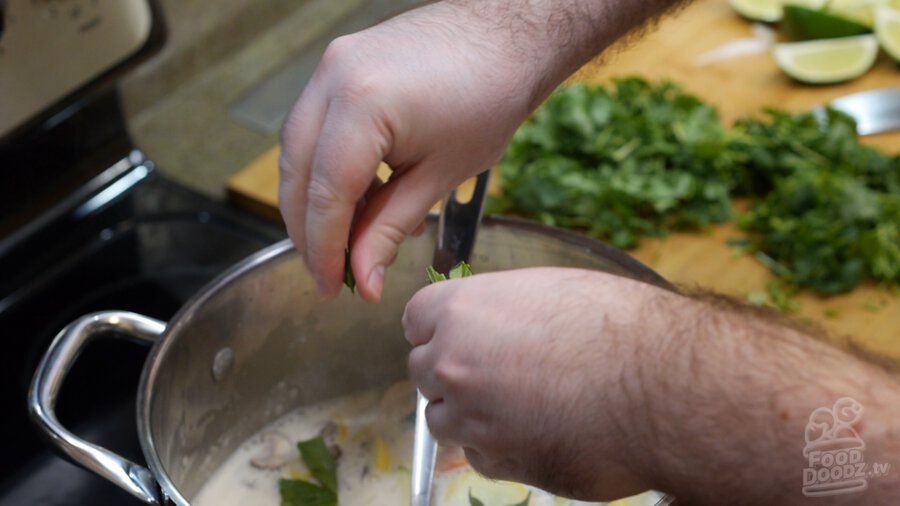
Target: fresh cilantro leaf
826,209
349,279
320,461
782,298
871,306
621,162
433,275
635,159
758,298
460,270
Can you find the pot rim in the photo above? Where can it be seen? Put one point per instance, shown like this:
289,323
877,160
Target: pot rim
184,315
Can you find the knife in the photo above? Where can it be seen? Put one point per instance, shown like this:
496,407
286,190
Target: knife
875,111
457,226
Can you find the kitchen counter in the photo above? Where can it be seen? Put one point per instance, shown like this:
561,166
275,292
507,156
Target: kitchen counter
179,104
867,319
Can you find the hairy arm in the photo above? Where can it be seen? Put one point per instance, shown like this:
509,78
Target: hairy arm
436,93
554,38
727,409
597,387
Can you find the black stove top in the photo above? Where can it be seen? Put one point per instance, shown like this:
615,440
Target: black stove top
127,239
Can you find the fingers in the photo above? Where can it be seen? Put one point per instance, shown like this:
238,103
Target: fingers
421,314
361,205
452,428
421,372
298,143
348,153
494,469
393,212
442,419
443,423
419,230
321,192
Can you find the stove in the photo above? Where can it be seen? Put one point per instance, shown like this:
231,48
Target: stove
87,223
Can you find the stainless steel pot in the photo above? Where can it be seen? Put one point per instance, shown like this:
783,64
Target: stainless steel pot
257,343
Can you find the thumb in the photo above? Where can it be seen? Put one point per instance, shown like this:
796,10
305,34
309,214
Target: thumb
394,211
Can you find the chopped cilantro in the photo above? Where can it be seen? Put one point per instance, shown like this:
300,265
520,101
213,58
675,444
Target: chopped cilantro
640,159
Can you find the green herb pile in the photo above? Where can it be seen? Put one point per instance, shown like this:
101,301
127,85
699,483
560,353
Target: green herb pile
640,159
635,160
827,210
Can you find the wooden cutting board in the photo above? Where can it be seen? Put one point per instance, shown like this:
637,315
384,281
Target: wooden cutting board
869,318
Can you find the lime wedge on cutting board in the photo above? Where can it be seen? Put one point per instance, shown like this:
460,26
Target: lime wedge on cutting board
802,23
827,61
887,29
769,11
861,11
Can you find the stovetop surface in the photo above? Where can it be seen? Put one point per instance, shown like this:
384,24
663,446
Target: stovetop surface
147,252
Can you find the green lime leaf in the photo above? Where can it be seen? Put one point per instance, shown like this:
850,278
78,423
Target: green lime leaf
321,463
303,493
473,501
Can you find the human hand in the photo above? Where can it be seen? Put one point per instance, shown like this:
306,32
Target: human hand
537,374
435,95
595,387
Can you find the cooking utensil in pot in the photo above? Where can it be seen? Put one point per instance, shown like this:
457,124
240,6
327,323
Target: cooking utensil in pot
457,226
257,343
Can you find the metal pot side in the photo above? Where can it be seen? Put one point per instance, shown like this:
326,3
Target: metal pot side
258,343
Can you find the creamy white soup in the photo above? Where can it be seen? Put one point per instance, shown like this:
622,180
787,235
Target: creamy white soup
372,435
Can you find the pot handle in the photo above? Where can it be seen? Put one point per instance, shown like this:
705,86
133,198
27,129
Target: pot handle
136,479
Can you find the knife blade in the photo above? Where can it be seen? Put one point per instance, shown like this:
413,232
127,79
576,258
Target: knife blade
875,111
457,226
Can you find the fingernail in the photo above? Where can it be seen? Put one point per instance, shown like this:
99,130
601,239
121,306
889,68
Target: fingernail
321,286
403,321
324,289
376,279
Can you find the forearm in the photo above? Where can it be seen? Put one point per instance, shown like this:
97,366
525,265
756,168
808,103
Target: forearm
547,40
728,412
